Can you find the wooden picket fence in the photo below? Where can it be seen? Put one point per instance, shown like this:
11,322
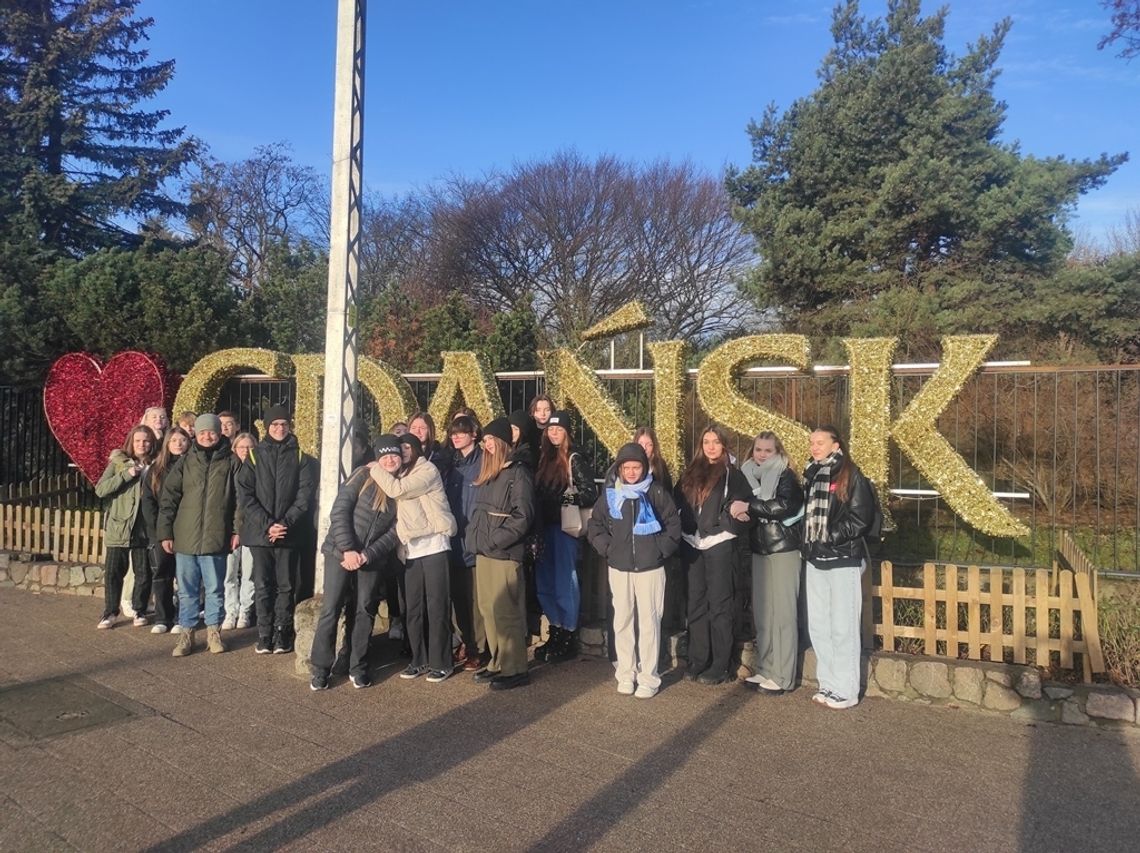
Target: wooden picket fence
60,490
68,535
992,614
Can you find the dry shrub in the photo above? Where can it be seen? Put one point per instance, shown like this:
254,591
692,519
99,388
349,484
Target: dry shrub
1119,617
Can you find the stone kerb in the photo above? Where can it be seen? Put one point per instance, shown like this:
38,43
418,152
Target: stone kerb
51,578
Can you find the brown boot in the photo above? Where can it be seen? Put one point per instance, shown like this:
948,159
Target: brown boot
184,645
214,640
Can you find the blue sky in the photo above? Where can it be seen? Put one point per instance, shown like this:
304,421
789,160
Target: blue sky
464,87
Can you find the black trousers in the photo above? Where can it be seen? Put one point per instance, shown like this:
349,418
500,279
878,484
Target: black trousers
428,622
711,589
358,594
162,585
115,572
463,602
274,584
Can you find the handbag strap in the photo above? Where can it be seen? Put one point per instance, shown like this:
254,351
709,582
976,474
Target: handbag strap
571,489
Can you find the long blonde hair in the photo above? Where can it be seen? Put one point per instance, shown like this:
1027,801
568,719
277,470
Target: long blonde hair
493,463
379,498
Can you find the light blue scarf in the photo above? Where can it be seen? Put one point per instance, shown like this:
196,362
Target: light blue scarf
646,523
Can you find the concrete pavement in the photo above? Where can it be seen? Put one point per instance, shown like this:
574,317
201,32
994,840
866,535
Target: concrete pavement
107,742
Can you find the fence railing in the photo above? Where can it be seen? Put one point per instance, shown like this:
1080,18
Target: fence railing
68,535
1062,443
1011,615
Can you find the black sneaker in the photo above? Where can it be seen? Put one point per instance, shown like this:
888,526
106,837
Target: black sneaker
264,646
283,643
435,676
361,681
320,681
413,672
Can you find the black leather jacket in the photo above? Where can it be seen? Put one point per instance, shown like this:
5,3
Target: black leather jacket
769,533
550,500
847,522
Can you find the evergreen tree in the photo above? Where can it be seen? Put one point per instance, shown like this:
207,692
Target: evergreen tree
447,326
885,202
78,153
514,339
288,311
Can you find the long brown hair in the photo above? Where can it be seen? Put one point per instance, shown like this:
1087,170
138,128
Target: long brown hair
129,444
701,475
657,465
429,422
165,458
554,463
493,463
841,478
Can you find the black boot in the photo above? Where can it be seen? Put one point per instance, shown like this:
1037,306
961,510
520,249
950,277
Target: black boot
567,649
552,643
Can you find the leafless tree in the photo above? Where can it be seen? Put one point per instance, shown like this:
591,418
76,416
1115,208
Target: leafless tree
584,237
247,207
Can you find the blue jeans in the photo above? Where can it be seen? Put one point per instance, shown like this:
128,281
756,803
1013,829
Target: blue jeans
195,572
556,578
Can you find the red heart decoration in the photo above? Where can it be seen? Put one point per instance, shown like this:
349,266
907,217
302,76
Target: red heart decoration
91,407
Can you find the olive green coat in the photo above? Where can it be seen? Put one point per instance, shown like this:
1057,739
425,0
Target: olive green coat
122,493
198,505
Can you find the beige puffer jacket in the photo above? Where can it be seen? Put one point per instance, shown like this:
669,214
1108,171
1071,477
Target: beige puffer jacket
422,507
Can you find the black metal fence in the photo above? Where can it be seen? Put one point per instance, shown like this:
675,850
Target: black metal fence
1062,444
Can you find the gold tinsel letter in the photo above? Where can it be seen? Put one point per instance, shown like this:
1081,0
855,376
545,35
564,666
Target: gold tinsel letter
870,394
569,381
391,391
629,317
467,378
723,402
669,401
310,372
916,433
200,389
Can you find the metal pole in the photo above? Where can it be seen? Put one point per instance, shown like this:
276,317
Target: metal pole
344,261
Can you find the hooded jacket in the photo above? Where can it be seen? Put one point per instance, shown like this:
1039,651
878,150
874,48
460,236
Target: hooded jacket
614,539
198,506
275,486
124,495
502,514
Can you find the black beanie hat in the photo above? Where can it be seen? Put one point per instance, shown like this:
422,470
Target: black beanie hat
387,444
521,419
275,413
412,441
501,429
560,418
632,452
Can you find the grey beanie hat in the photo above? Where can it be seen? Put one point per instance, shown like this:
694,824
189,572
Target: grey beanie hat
209,422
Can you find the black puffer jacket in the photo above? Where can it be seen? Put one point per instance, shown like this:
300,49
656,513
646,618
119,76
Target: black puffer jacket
769,534
275,485
355,526
149,506
622,549
713,516
848,522
502,514
551,499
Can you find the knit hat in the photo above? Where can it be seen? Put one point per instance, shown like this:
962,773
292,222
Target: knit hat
560,418
412,441
521,419
387,445
208,422
275,413
501,429
632,452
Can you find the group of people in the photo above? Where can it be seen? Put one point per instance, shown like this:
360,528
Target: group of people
454,530
219,512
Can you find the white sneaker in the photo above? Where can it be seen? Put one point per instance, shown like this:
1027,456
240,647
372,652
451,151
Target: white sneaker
141,622
839,703
243,621
229,623
644,691
177,629
821,697
159,628
762,682
106,622
625,688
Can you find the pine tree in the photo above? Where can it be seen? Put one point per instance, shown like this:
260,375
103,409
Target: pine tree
78,153
885,201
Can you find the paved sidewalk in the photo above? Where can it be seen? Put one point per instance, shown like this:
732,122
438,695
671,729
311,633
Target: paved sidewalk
224,751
